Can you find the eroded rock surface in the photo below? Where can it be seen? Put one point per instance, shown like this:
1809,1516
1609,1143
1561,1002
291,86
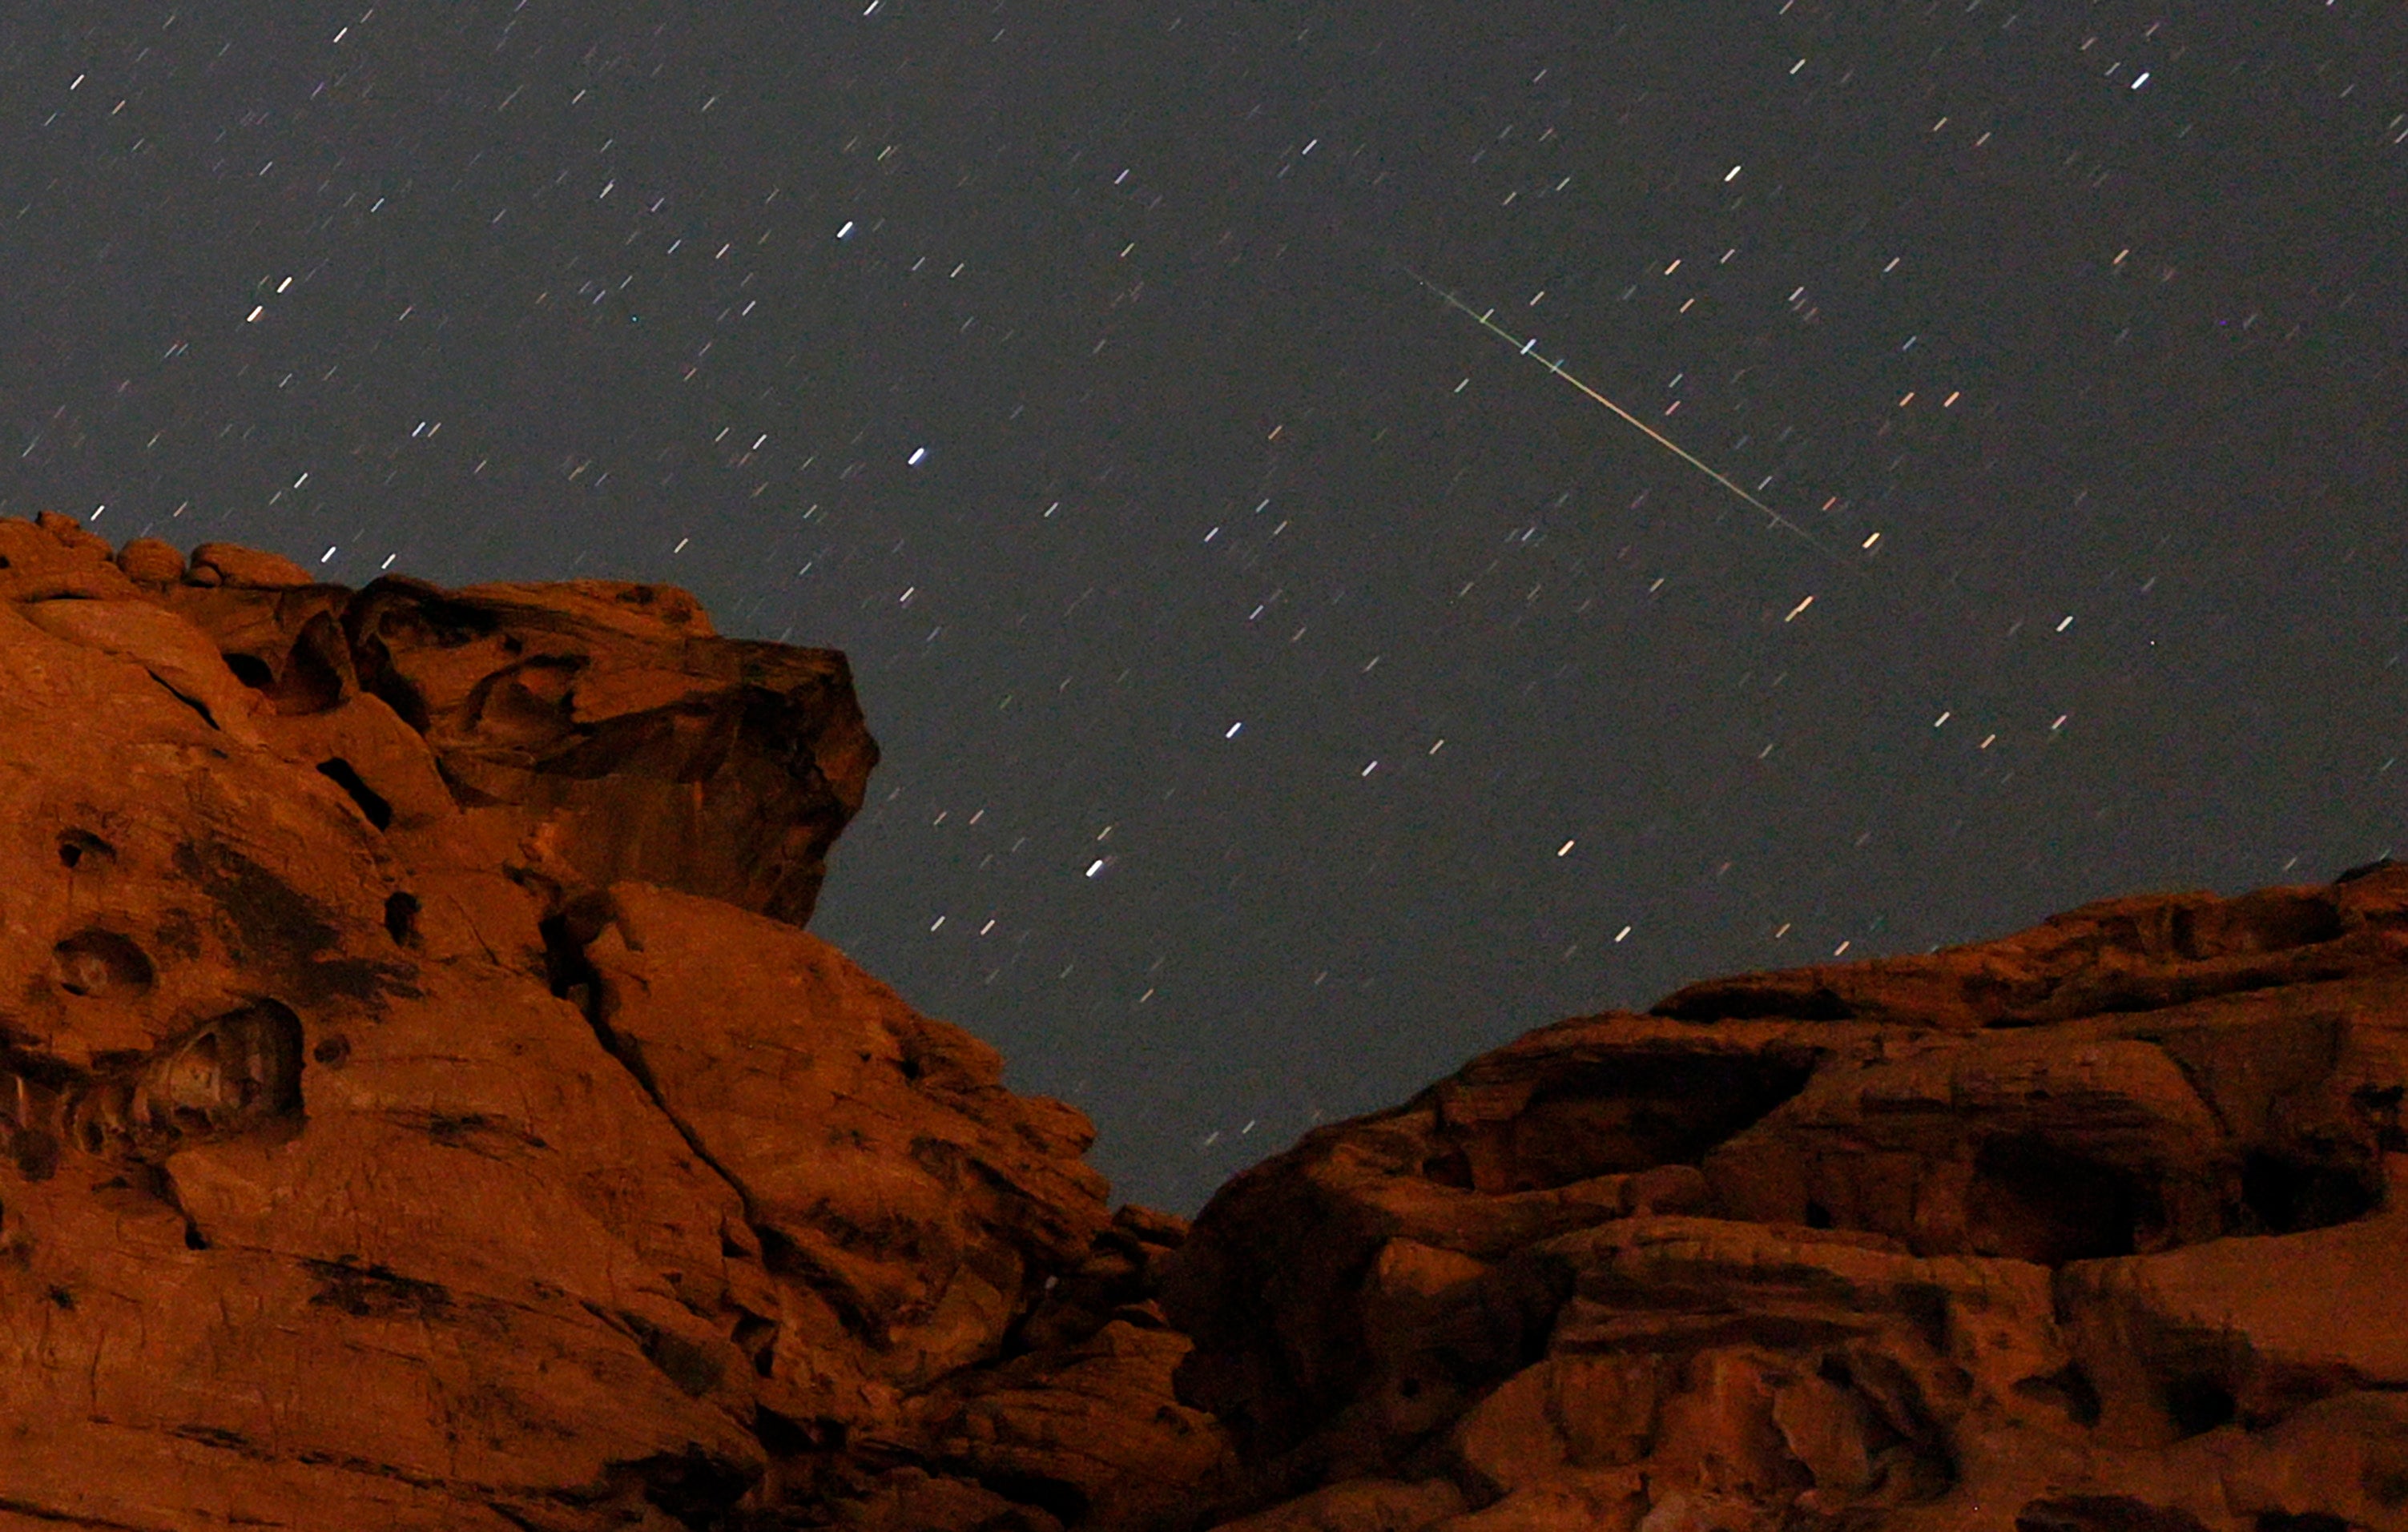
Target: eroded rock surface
603,722
423,1107
2099,1225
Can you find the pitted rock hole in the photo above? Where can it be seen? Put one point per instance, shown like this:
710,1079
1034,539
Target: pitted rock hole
102,965
1452,1168
83,852
1630,1115
229,1076
568,970
2287,1194
2032,1200
401,918
2198,1404
251,671
237,1074
371,802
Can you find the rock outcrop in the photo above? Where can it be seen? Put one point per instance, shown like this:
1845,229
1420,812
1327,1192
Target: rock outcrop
423,1107
2096,1227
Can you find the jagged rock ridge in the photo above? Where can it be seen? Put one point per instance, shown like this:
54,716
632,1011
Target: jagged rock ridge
424,1107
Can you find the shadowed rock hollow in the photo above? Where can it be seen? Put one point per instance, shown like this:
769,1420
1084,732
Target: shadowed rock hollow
421,1106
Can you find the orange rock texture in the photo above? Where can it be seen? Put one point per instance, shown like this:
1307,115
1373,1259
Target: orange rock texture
2097,1229
423,1107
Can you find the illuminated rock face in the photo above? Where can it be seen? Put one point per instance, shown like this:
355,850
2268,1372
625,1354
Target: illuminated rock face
2099,1225
421,1107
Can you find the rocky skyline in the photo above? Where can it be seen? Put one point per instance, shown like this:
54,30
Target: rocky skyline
1293,682
425,1108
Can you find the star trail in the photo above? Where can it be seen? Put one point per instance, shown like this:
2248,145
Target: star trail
1287,687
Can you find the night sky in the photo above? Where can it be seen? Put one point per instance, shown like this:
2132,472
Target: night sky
1288,687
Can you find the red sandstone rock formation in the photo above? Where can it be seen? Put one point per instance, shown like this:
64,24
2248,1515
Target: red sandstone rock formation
422,1109
2099,1226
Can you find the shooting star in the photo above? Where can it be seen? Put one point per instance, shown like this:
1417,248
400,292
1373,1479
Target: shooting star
1529,347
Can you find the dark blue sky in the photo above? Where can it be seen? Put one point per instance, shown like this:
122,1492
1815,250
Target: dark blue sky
1062,365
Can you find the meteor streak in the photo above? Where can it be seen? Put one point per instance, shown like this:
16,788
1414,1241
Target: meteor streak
1529,347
